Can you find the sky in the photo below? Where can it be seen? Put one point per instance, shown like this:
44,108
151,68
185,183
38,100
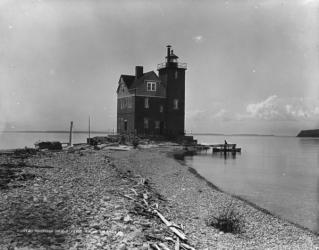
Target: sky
253,65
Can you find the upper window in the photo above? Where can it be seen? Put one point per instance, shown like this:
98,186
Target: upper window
175,104
176,74
146,103
151,86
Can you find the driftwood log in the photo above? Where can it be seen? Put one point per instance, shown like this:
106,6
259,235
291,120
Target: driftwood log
169,224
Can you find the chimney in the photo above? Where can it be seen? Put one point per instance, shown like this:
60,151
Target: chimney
168,51
138,71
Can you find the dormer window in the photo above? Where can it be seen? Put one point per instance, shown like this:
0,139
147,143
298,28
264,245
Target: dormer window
151,86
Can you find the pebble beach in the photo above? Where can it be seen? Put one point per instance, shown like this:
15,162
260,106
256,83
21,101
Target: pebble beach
84,198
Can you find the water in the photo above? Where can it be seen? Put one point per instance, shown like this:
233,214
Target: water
21,140
279,174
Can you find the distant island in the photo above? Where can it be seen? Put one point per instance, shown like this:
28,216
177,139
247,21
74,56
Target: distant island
218,134
309,133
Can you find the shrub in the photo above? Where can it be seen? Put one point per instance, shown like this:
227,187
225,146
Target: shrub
227,221
135,143
122,139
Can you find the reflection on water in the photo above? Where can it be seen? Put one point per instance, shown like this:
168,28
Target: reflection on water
279,174
225,155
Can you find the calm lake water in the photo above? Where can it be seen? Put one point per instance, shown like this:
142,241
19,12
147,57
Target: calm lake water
279,174
21,140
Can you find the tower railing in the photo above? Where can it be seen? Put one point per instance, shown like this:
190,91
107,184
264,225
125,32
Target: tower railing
179,65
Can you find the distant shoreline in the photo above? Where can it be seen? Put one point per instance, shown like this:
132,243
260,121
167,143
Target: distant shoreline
112,132
59,132
235,134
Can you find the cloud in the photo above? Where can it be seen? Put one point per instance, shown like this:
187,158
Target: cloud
196,115
211,115
224,115
283,109
309,2
198,39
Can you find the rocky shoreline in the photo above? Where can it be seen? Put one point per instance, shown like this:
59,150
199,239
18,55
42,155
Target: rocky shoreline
78,199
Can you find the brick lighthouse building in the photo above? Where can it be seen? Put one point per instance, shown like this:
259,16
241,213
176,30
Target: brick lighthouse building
151,104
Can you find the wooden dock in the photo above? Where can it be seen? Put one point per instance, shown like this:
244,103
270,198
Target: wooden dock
224,148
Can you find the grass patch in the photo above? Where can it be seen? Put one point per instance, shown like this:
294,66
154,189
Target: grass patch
228,220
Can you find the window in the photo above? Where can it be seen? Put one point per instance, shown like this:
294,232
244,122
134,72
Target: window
151,86
121,103
145,123
125,125
129,105
175,104
146,103
161,109
157,124
176,74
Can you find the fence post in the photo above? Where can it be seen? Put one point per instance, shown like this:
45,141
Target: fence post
70,135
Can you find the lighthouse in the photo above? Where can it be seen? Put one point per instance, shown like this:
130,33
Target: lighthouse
172,75
153,104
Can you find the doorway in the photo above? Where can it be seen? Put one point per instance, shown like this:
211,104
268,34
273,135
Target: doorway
125,125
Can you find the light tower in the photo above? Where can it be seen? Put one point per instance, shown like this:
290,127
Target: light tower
172,75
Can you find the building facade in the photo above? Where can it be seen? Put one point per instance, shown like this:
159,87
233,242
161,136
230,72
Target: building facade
151,104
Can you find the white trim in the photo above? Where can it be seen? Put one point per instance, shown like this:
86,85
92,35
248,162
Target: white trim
157,81
151,86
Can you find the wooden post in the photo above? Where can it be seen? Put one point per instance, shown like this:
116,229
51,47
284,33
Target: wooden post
70,135
89,130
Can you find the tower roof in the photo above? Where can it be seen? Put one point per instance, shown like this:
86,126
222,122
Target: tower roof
172,55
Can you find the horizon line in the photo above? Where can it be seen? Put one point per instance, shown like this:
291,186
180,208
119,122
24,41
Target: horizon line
113,132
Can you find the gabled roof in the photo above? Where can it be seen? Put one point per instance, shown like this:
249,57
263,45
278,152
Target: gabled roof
151,75
172,55
131,82
127,79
